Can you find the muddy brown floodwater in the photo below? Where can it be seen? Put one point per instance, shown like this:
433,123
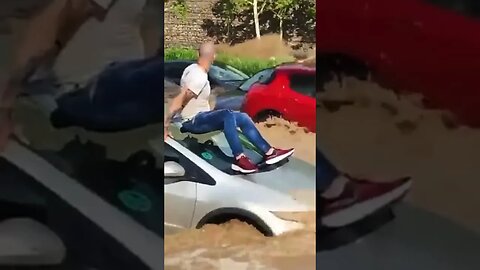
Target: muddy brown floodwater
236,245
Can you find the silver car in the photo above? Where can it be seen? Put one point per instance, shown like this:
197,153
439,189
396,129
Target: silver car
201,188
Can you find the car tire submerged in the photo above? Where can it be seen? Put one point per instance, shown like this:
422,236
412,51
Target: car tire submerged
265,115
222,216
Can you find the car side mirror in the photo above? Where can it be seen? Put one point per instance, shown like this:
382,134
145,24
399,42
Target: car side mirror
26,242
173,170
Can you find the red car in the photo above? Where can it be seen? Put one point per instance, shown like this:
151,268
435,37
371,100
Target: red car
287,91
430,47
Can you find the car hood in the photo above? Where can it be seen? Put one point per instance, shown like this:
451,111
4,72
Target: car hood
296,178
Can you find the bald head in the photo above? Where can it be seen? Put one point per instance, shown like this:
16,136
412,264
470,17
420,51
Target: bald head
207,50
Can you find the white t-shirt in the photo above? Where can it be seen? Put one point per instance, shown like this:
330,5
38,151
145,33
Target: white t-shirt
196,80
98,43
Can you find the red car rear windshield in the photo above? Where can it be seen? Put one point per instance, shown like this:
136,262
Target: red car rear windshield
261,77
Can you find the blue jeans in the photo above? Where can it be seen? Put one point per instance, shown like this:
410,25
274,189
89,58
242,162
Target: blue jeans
326,172
127,95
227,121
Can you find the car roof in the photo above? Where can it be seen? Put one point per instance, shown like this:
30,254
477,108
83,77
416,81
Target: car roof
295,67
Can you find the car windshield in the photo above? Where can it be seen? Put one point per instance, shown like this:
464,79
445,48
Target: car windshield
261,76
224,74
240,73
213,148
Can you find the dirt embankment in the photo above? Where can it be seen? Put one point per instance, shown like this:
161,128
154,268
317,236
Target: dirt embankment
268,47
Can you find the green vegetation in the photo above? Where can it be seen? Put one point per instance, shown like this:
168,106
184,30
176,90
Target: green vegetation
248,66
179,8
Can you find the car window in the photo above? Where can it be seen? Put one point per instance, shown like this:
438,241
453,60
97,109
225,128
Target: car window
222,74
240,73
304,84
264,77
465,7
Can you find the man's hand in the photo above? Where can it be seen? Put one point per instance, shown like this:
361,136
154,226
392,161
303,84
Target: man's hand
6,127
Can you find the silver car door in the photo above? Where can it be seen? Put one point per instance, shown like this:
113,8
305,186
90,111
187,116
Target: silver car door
179,205
180,193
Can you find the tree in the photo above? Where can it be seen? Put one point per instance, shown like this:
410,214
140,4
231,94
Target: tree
230,12
254,5
282,9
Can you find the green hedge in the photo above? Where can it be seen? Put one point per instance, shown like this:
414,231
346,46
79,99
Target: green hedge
248,66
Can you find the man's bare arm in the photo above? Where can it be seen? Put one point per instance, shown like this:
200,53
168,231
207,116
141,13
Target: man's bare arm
177,104
21,72
44,37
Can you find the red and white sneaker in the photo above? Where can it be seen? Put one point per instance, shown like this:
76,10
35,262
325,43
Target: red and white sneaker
278,155
361,198
244,165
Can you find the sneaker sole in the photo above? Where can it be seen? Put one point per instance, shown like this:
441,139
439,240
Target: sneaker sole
358,211
280,158
239,169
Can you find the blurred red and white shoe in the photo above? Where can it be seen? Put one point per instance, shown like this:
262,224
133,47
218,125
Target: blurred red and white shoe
361,198
278,155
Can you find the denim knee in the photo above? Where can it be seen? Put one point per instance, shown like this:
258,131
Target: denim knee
227,111
242,117
229,115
